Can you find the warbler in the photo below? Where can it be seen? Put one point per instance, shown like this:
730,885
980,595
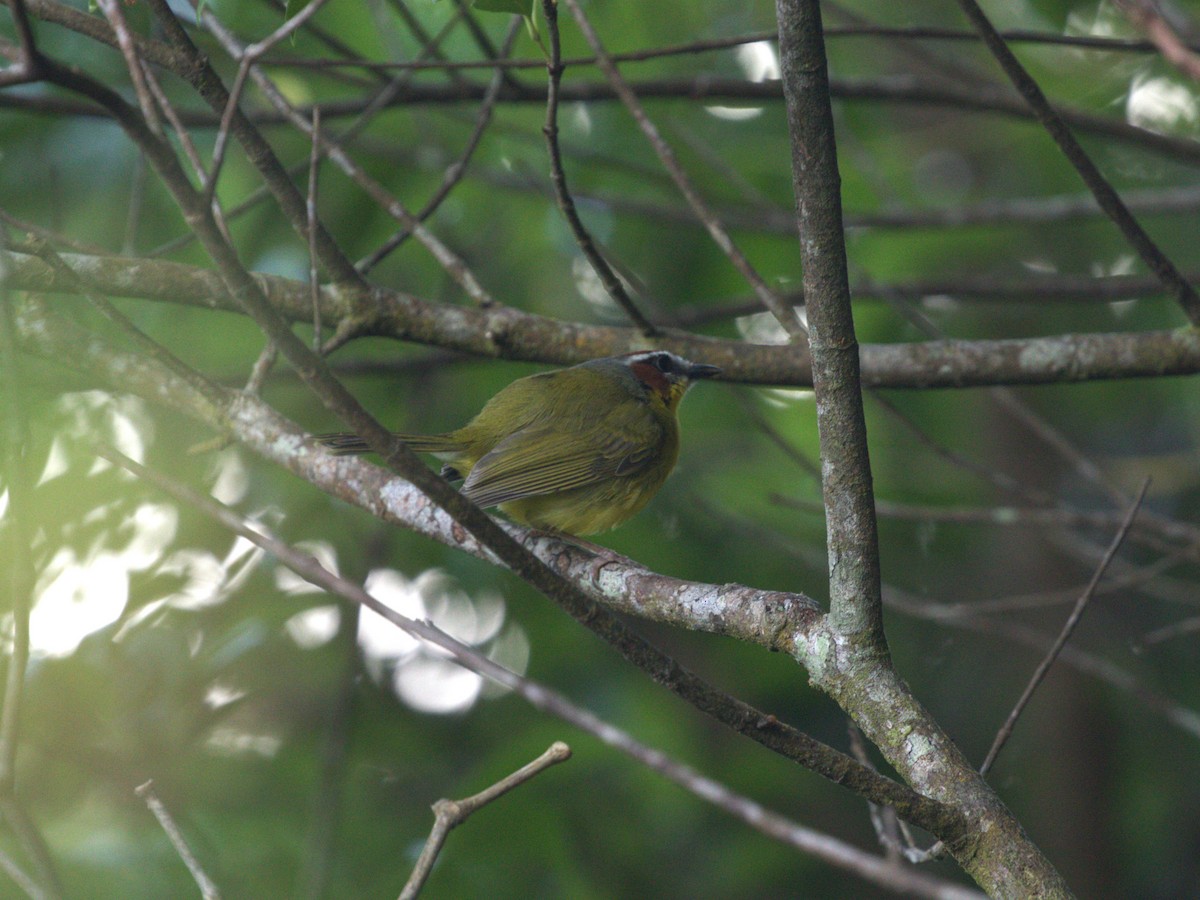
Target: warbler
576,450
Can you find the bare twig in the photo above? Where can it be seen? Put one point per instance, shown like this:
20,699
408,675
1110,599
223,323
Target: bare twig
1064,635
431,45
1109,200
137,184
770,300
883,818
558,177
208,889
186,142
449,260
708,45
1168,632
314,274
1015,407
194,66
1149,18
378,102
21,878
116,18
247,57
455,171
956,616
449,814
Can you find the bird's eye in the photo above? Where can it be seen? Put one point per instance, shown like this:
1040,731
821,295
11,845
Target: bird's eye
662,362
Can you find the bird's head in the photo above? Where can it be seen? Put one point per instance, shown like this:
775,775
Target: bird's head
664,374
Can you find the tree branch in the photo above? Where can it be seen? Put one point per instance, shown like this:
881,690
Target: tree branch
996,854
507,333
853,543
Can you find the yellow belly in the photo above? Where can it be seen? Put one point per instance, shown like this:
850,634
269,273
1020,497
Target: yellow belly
586,510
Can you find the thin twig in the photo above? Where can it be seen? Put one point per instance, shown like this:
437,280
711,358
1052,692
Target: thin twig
1015,407
709,45
50,236
895,89
431,46
116,18
1149,18
770,300
21,878
208,889
379,102
1167,632
248,56
194,66
883,818
455,172
954,615
188,145
450,261
449,814
314,273
1109,200
1064,635
558,177
137,184
281,8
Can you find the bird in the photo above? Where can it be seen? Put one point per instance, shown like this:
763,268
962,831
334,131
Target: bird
573,451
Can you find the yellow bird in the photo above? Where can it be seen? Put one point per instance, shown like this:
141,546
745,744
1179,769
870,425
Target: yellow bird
576,450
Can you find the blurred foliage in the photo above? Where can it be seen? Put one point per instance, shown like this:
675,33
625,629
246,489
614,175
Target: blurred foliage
285,752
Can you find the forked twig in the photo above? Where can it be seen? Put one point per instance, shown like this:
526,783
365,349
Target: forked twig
449,814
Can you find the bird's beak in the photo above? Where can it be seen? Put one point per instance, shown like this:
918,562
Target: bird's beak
702,370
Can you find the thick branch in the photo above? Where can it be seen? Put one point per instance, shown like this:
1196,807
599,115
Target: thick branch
858,670
509,333
854,593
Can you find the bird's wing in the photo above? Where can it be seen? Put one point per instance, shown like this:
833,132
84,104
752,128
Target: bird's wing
539,461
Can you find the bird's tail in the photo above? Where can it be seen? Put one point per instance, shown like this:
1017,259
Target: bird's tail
346,443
